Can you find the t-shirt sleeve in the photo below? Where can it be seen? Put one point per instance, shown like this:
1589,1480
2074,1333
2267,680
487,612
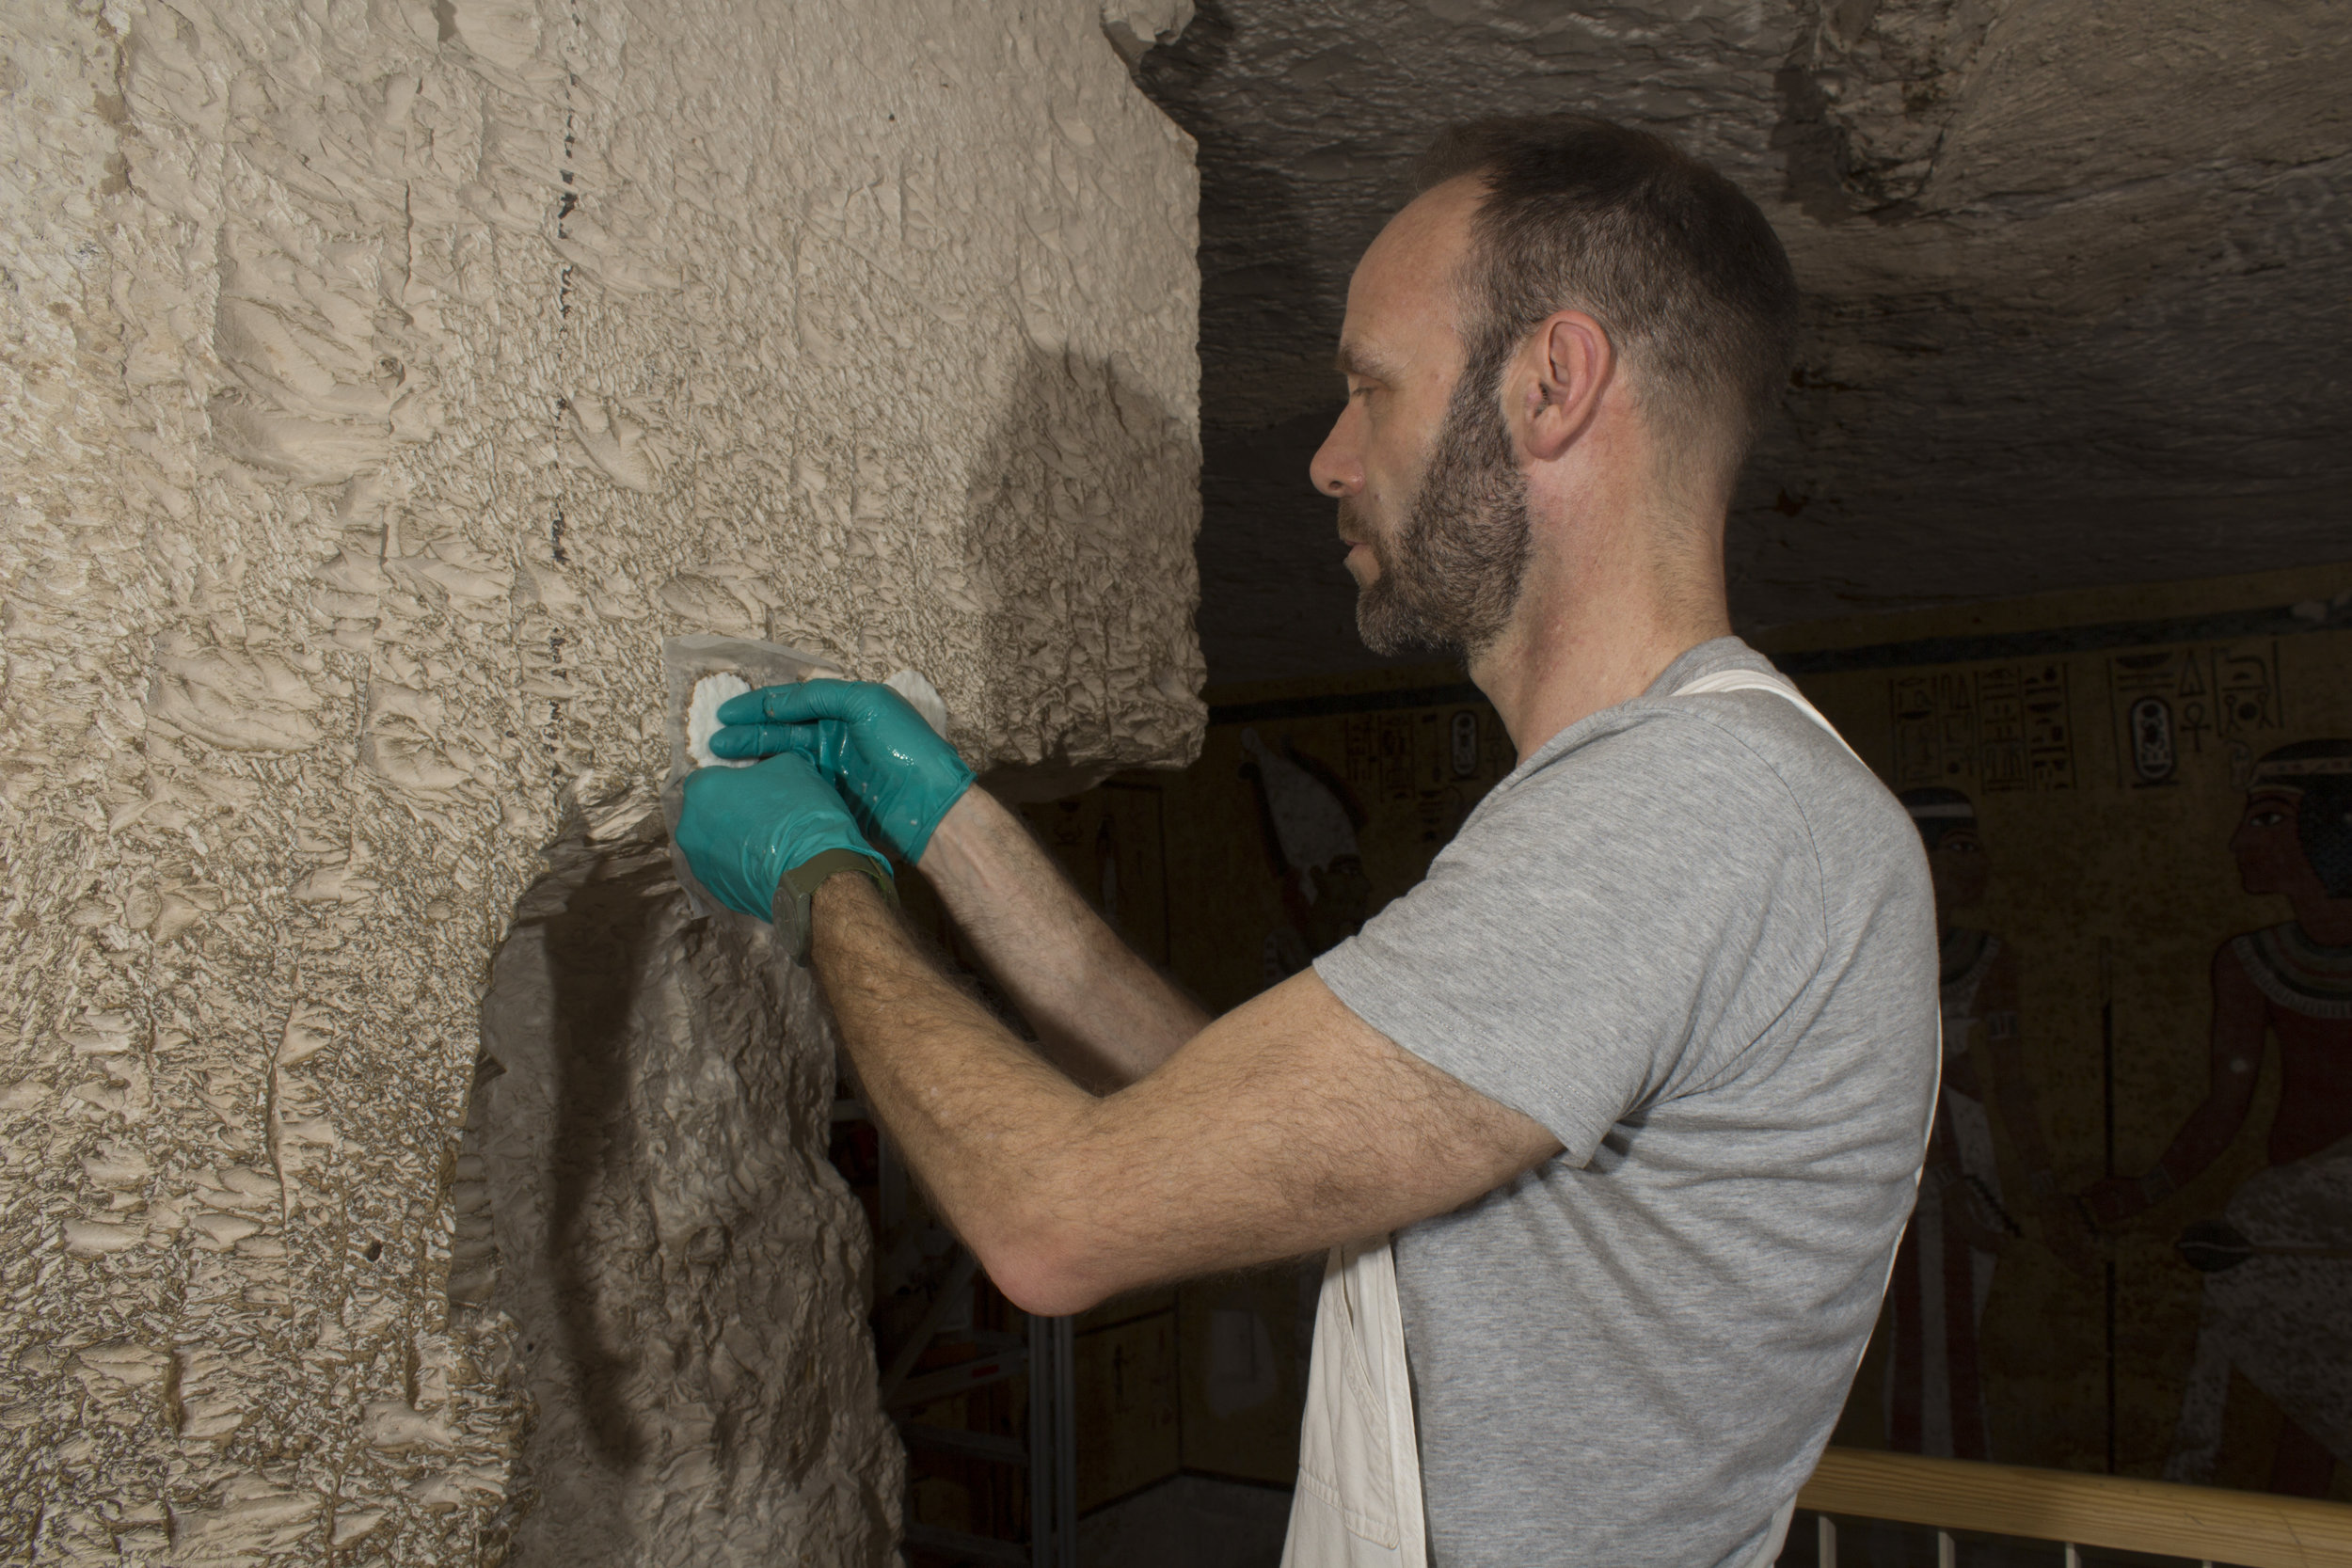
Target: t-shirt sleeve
1613,929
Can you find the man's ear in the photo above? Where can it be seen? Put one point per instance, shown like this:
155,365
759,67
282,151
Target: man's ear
1563,367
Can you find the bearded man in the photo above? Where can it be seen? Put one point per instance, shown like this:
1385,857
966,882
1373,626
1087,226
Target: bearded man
1638,1079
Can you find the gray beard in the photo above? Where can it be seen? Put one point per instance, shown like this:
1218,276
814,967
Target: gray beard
1450,578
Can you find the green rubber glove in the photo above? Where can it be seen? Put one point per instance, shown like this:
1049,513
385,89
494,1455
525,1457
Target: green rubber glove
898,776
755,836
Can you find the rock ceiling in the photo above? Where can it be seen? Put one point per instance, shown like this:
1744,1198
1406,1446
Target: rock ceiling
2077,275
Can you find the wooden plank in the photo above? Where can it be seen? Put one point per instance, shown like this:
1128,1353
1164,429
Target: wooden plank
960,1377
2250,1530
967,1546
1148,1303
970,1445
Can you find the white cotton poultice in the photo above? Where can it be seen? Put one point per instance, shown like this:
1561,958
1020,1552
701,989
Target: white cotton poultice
701,674
711,693
923,697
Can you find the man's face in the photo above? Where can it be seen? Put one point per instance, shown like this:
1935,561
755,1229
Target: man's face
2269,852
1957,868
1432,503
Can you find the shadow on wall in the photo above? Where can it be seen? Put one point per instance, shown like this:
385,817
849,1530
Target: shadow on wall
685,1274
591,950
1068,507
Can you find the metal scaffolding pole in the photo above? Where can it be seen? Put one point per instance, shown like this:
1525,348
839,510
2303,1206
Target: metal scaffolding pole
1053,1445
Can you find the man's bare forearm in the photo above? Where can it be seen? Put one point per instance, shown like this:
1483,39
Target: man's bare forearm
1104,1015
976,1114
1285,1125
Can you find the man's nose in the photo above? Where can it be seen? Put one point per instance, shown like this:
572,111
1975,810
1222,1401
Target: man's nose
1338,468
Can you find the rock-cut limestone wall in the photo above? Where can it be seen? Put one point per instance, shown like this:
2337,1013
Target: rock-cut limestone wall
386,1147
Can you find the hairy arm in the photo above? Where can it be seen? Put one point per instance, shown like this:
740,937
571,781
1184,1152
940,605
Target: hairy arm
2005,1054
2062,1224
1285,1126
1103,1014
2240,1018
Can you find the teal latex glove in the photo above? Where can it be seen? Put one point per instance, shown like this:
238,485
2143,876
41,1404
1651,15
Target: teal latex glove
752,833
898,776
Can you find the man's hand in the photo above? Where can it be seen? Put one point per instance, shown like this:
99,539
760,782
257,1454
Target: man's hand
745,829
2069,1236
1102,1013
898,776
2116,1201
1967,1216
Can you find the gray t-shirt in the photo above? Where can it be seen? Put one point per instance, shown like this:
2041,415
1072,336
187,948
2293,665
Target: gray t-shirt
1694,938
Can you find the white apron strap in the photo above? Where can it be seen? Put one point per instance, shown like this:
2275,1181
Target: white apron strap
1774,1538
1358,1501
1761,680
1780,685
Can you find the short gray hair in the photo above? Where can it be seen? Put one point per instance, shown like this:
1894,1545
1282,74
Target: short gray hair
1672,259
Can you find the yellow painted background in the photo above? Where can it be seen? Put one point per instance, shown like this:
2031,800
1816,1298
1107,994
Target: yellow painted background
2088,862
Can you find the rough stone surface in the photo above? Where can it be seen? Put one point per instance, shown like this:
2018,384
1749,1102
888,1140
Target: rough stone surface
383,380
2075,276
643,1189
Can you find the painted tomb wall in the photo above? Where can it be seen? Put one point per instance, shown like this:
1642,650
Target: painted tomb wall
2146,868
386,1147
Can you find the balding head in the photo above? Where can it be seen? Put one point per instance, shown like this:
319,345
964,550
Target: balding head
1411,269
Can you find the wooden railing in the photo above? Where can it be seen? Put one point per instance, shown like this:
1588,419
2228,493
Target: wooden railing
2246,1529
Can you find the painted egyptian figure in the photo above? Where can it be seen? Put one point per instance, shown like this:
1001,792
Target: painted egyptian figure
1944,1270
2279,1259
